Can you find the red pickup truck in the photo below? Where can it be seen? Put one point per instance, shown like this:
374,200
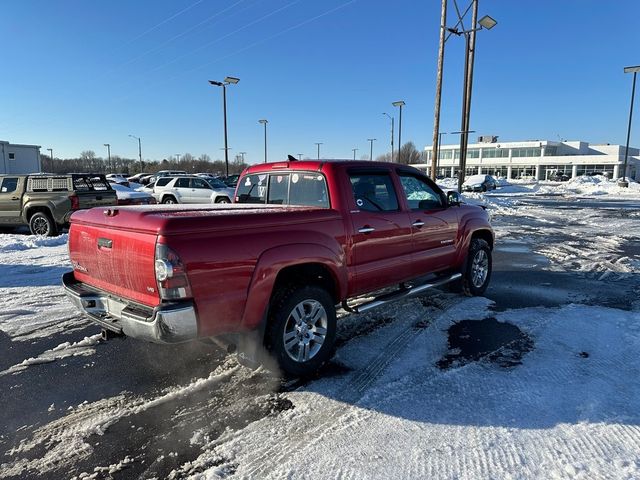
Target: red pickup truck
267,272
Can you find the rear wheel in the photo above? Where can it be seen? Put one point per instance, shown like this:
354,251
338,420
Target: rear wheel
302,329
169,200
42,225
223,200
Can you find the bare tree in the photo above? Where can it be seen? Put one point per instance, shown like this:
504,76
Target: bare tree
409,154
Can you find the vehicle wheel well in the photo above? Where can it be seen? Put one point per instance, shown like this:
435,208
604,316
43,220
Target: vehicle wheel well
32,210
168,195
484,235
307,274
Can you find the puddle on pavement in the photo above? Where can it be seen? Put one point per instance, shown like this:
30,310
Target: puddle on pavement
471,340
513,247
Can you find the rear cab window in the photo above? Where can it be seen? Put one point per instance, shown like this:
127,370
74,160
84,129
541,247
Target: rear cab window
9,184
90,183
284,188
373,191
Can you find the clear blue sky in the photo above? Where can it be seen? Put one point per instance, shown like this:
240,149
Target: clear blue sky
77,74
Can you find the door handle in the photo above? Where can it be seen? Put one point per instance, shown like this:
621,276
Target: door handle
418,224
15,198
366,230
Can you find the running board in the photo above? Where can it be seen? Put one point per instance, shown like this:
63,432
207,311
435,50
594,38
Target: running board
403,292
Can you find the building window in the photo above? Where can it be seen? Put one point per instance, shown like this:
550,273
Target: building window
473,153
12,156
550,151
495,153
445,154
523,172
526,152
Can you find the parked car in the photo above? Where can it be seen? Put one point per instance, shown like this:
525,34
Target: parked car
117,178
128,196
231,180
479,183
267,277
136,178
192,189
45,202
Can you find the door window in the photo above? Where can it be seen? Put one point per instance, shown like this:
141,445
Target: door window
308,189
199,183
419,194
374,192
182,183
9,185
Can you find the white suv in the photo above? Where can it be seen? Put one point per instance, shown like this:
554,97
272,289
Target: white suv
192,189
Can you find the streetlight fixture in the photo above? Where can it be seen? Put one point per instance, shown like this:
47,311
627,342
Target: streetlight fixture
384,113
108,145
300,156
223,84
264,122
371,140
139,150
634,70
354,152
400,104
318,145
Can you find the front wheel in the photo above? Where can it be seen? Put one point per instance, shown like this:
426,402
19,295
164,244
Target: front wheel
302,329
478,272
169,200
223,200
42,225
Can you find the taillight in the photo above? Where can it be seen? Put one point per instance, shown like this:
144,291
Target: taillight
75,202
171,274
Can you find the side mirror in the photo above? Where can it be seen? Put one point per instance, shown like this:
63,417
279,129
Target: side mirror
453,198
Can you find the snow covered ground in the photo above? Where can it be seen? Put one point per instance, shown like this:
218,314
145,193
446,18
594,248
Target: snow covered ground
554,395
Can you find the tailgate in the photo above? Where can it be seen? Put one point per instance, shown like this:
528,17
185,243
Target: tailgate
93,191
116,261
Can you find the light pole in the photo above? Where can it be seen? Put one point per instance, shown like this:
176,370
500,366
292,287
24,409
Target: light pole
371,151
300,156
139,150
391,133
634,70
318,145
487,23
400,104
51,155
108,145
354,152
243,154
462,166
223,84
264,122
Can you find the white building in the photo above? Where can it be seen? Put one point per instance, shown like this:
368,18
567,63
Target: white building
19,159
536,159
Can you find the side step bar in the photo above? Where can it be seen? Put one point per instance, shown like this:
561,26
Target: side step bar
403,292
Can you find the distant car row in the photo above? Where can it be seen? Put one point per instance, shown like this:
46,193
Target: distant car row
147,178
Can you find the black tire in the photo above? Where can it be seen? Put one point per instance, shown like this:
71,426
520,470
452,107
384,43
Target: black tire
473,282
484,188
42,224
223,200
169,200
289,340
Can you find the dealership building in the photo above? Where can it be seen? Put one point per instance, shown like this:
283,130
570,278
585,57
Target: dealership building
540,159
19,159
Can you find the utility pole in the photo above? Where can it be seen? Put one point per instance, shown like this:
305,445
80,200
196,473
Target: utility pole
470,44
436,113
391,133
108,145
264,122
371,151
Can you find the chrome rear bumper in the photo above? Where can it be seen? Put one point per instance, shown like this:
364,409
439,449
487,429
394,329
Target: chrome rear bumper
167,323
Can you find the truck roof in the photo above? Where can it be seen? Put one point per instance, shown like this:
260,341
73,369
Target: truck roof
315,165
